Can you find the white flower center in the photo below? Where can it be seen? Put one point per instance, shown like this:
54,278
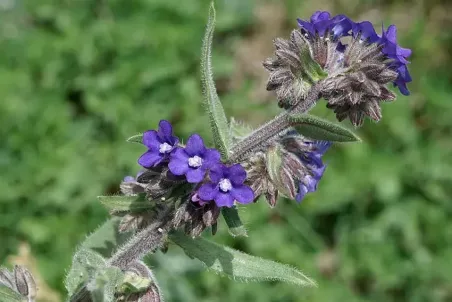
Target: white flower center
225,185
195,161
165,148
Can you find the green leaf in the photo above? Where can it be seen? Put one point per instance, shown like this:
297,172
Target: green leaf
85,264
239,130
319,129
218,122
238,265
310,67
120,203
274,166
8,295
132,283
102,288
106,238
138,138
235,225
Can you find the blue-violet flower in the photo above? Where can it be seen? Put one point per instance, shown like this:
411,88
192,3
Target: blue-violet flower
194,160
160,145
313,160
226,186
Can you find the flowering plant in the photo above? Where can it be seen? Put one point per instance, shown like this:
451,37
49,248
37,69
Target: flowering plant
182,189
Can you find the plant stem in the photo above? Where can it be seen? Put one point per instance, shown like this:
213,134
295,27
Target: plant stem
146,241
266,132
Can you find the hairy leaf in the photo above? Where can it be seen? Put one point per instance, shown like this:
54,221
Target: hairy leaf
106,238
239,130
8,295
238,265
232,218
120,203
218,121
319,129
85,264
102,287
138,138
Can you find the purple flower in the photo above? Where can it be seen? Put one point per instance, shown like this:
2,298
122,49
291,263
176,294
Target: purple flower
313,160
131,178
341,25
390,49
226,186
399,54
321,21
194,160
160,144
366,32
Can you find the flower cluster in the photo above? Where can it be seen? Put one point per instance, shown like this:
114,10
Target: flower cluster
196,164
321,23
354,76
291,166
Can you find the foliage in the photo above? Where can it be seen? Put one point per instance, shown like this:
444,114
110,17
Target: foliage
78,77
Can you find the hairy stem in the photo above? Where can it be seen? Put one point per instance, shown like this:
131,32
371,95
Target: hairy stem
144,242
259,136
266,132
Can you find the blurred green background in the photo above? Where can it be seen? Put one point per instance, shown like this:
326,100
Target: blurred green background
77,77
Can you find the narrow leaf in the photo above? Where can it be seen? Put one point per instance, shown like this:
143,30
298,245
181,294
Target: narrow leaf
8,295
120,203
235,225
238,265
136,138
239,130
319,129
218,121
310,67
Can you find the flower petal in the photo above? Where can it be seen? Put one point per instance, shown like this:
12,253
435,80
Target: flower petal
150,159
211,158
320,16
242,194
236,174
178,167
367,31
217,172
166,131
302,190
151,140
179,154
224,200
195,175
208,191
129,179
195,145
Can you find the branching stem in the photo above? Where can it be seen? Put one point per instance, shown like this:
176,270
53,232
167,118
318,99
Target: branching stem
266,132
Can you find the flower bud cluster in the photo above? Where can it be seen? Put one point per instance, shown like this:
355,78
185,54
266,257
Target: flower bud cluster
357,73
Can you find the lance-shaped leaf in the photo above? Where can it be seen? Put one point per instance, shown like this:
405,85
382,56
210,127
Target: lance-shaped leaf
283,179
138,138
120,203
310,67
232,218
239,130
238,265
320,129
9,295
218,121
